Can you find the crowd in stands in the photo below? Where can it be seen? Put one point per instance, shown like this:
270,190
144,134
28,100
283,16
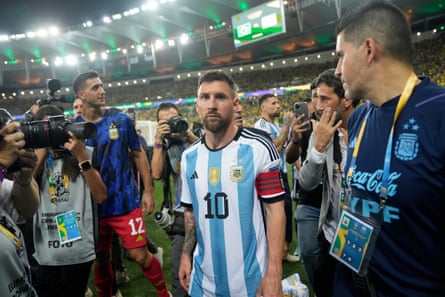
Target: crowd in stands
429,56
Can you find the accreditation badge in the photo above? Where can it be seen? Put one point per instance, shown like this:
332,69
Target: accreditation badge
354,241
67,227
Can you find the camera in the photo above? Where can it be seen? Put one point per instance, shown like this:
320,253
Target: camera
178,124
53,86
52,132
164,219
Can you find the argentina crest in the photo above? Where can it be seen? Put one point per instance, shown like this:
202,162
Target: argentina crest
236,173
407,146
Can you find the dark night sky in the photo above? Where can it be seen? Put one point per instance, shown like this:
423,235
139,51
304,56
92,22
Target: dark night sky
19,16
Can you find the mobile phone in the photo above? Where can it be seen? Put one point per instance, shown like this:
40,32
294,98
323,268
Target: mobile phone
301,108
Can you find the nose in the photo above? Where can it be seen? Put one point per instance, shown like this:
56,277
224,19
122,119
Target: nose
338,69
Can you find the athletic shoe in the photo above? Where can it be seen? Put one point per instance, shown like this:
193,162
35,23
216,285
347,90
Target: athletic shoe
159,254
291,258
118,294
88,292
122,277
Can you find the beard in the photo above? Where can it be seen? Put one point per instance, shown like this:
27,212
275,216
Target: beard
216,125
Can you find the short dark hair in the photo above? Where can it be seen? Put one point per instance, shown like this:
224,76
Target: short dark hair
264,98
219,76
329,78
79,81
47,110
166,106
382,21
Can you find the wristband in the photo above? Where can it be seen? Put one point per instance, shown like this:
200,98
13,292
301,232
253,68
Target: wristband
158,145
3,172
295,142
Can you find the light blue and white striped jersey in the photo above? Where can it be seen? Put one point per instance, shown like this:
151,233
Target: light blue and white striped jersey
220,185
273,129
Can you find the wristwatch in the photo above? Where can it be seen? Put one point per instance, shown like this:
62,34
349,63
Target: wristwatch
85,165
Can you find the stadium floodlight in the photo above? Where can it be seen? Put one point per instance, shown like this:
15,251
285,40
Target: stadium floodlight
54,31
151,5
92,56
31,34
71,60
116,16
159,44
184,38
42,33
106,20
87,24
58,61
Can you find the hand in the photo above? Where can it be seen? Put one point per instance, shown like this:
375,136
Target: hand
147,202
162,131
185,269
76,147
298,127
11,141
28,161
288,117
270,286
324,130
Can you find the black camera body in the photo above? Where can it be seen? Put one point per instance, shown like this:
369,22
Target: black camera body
52,132
178,124
54,95
164,219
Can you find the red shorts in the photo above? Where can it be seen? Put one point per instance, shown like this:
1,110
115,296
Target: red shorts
129,227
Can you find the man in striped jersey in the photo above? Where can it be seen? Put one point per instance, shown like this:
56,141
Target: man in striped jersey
233,199
270,107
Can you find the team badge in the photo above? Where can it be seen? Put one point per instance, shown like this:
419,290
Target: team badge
214,175
236,173
407,146
113,132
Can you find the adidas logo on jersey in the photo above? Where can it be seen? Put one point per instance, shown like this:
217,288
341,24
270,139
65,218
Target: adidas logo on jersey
194,175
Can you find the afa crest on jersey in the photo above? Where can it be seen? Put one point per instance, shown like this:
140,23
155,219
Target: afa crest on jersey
407,145
236,173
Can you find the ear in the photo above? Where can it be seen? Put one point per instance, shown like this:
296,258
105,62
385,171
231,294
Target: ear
346,103
371,49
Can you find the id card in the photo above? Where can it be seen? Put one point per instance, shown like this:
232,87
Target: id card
67,227
353,242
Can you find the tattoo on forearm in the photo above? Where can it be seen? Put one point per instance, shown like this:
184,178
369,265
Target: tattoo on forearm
190,233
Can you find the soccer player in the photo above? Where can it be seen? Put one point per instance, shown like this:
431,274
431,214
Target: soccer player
117,143
233,199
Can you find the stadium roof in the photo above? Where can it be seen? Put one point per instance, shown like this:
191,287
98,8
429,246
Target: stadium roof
132,27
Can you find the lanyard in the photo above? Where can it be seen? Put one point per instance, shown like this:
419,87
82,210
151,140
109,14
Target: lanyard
17,242
51,180
404,97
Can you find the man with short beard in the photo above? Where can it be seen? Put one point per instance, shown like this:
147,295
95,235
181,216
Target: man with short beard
233,202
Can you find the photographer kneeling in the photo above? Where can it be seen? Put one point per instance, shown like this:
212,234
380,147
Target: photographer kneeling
173,136
19,198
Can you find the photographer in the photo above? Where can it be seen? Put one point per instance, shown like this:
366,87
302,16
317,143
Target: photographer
171,139
19,198
68,185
